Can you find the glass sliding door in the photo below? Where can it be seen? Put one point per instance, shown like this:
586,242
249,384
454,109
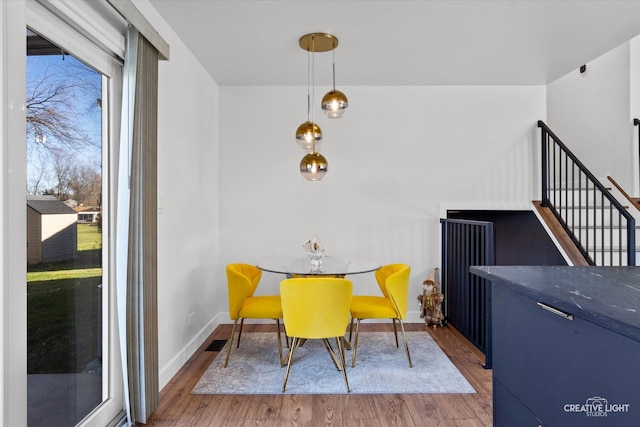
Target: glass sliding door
74,374
64,235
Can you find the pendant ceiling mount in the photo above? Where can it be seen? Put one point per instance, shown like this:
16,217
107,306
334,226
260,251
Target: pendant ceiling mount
318,42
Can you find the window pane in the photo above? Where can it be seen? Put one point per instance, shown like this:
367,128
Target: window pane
64,236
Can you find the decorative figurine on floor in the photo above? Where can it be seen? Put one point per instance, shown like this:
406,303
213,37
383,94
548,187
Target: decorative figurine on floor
431,300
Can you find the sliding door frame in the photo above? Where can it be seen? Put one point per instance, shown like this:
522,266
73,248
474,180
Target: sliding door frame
13,304
15,17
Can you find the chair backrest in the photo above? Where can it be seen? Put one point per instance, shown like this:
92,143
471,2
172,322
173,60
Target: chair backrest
397,285
316,307
242,281
383,273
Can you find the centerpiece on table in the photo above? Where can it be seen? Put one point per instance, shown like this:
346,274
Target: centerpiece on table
315,252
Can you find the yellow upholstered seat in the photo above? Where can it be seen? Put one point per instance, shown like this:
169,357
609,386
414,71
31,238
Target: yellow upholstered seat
316,308
393,280
242,281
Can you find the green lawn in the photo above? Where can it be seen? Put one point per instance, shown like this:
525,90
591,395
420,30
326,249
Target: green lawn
89,237
63,309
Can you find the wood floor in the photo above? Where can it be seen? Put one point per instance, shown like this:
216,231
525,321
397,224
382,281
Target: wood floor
179,408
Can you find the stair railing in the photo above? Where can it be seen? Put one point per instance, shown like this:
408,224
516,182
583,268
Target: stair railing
597,223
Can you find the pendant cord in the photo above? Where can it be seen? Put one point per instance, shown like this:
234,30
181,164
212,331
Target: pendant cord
308,87
313,79
334,70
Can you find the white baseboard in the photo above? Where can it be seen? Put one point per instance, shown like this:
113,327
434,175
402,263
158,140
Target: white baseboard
170,369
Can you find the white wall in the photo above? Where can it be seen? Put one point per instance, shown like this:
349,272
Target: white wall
592,114
395,158
634,74
188,203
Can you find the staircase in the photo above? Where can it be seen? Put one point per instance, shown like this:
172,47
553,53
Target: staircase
633,207
589,221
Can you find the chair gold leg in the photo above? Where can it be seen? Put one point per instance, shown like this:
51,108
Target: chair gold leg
240,332
230,343
350,329
280,359
406,346
340,343
347,344
395,331
294,343
332,353
290,347
286,337
355,345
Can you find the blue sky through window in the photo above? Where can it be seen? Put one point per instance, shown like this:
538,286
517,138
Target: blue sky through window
63,117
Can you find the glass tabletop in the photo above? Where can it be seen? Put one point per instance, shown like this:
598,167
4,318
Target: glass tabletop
331,266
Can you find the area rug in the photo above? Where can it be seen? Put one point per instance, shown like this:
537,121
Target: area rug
381,367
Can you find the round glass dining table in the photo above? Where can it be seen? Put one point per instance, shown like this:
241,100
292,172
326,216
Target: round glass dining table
331,266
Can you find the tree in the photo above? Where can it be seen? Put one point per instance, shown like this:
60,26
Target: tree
52,116
39,172
85,184
62,155
63,170
73,180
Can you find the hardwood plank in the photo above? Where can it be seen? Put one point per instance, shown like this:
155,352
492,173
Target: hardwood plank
393,410
327,409
362,422
425,411
180,408
297,410
264,409
360,407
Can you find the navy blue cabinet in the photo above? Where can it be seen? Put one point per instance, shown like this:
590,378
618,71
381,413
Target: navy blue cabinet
508,410
566,346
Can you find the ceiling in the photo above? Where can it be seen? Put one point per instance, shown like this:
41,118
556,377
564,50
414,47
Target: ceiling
428,42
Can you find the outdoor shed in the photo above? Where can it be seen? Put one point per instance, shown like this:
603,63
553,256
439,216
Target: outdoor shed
52,233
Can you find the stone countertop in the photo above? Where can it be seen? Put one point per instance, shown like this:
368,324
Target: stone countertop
606,296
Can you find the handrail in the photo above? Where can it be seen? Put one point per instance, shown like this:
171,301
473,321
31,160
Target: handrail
577,209
620,189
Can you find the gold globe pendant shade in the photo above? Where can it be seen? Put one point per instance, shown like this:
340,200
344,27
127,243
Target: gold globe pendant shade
334,103
313,166
308,135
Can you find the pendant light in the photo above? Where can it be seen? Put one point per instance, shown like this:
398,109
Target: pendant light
314,165
334,102
308,134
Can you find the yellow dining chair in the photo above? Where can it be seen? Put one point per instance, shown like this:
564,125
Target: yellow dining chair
316,308
393,280
242,281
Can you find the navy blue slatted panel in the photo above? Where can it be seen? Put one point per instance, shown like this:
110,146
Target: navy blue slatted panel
467,296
